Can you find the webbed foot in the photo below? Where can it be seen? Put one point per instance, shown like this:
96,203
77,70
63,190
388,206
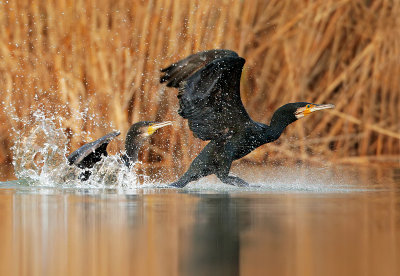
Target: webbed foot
234,180
177,184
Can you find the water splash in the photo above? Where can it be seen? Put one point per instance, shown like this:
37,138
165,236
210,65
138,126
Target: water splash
39,157
41,147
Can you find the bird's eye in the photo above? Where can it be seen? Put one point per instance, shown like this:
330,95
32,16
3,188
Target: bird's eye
308,106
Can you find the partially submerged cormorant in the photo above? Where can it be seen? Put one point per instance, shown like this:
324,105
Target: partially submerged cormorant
209,97
89,154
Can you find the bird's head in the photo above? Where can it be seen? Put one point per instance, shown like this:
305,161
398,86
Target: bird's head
145,129
136,136
291,112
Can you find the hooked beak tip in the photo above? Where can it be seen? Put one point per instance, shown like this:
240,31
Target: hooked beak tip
156,126
324,106
162,124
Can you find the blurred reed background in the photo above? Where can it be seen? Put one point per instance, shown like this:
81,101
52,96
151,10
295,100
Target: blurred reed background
102,59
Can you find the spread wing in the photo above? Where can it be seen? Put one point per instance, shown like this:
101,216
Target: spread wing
91,153
181,70
209,97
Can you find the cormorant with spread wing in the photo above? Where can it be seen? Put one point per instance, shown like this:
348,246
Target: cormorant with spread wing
209,98
89,154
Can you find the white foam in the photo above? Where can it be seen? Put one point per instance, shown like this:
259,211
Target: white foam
39,158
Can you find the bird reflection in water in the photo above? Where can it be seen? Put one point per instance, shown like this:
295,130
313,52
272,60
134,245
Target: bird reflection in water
215,241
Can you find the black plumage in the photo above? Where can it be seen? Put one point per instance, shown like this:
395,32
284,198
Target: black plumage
209,98
91,153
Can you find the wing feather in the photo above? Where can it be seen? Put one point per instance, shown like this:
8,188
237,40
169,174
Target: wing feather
209,96
181,70
90,153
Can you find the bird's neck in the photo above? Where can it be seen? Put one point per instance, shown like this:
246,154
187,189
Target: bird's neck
263,134
132,151
276,131
133,143
277,126
268,134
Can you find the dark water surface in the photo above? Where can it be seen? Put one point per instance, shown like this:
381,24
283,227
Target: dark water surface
302,222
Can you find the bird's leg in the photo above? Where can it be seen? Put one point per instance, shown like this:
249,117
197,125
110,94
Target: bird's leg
233,180
197,170
223,173
200,167
189,176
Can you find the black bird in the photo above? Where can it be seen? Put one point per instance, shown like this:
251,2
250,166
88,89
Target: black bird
89,154
209,97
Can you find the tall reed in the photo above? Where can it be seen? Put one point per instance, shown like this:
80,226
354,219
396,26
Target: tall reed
102,59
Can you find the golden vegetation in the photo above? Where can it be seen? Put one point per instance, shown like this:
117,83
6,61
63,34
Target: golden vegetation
102,59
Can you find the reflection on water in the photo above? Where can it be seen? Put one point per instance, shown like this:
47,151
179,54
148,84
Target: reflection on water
203,232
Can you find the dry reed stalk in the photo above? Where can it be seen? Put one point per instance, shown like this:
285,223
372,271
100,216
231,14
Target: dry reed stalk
102,59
